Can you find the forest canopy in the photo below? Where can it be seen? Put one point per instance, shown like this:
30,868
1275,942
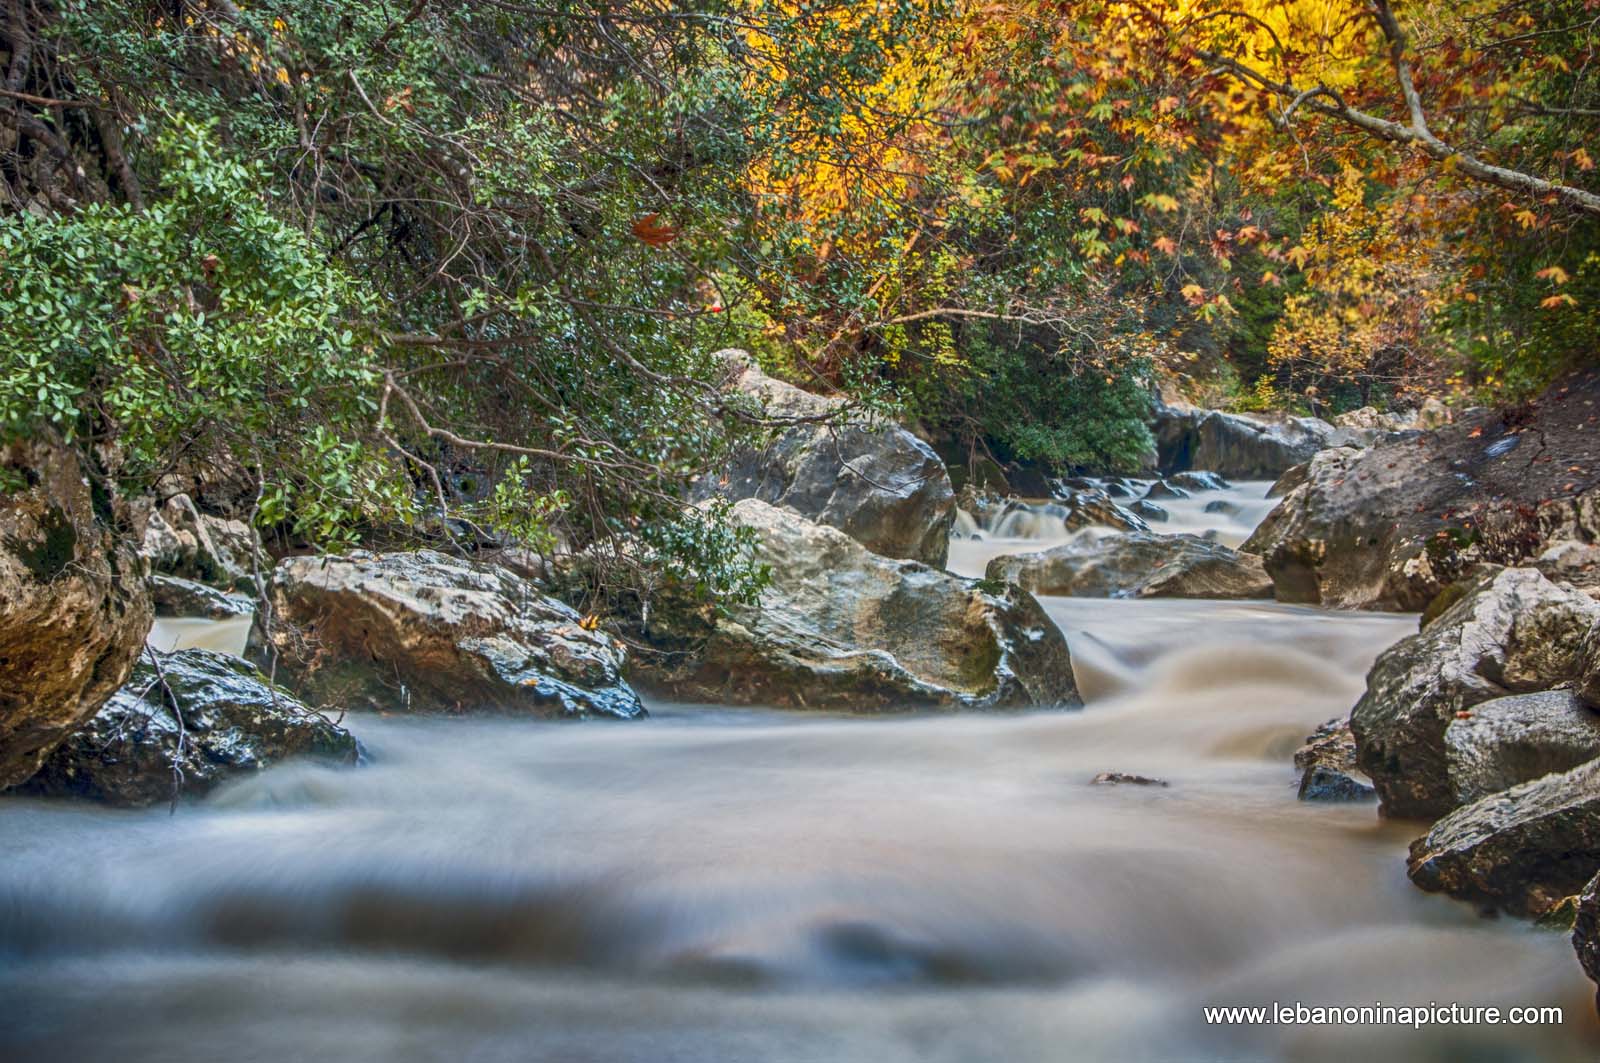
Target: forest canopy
464,267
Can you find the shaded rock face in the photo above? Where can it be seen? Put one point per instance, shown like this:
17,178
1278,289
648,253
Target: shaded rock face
74,609
1523,850
229,721
1136,565
1327,763
1391,526
180,540
842,628
1508,741
1512,632
1244,448
879,484
427,632
1586,932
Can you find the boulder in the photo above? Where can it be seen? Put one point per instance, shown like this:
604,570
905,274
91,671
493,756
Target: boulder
1502,743
1136,565
1522,850
1193,480
1512,631
1586,932
1149,511
874,481
842,628
1244,448
426,632
1163,491
74,607
1573,562
1327,764
1390,526
141,748
175,597
180,540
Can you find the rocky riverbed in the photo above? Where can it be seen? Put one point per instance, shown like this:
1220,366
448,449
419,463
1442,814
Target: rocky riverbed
1171,628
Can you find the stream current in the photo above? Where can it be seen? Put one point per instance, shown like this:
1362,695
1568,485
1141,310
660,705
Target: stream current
719,884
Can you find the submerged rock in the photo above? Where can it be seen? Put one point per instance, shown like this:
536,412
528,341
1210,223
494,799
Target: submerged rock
1521,850
842,628
1137,565
1586,933
423,631
74,608
875,482
141,749
1327,763
1508,741
1122,778
1512,632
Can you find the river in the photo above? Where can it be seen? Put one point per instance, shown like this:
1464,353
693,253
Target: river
739,885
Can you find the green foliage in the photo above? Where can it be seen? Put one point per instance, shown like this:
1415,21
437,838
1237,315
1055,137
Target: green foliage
200,324
1034,402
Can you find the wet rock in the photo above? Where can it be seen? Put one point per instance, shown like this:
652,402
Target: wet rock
1122,778
1586,932
1513,632
1163,491
877,483
423,631
1521,850
140,749
1502,743
1391,526
1095,509
1137,565
842,628
180,540
1150,511
1223,506
174,597
1327,763
74,607
1198,481
1321,783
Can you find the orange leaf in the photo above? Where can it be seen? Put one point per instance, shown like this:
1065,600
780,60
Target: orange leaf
653,231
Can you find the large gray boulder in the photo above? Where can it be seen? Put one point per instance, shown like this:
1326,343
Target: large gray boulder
1512,631
423,631
74,609
1393,525
1241,447
185,723
1139,564
874,481
1586,932
1523,850
1508,741
842,628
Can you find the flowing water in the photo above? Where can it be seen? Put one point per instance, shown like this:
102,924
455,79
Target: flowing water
743,885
